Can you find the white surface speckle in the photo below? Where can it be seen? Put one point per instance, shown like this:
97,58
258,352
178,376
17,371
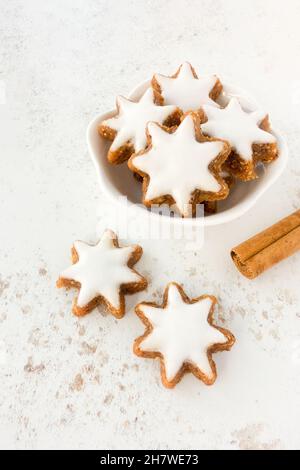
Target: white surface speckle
74,383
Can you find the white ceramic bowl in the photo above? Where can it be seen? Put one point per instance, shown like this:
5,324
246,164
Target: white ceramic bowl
117,180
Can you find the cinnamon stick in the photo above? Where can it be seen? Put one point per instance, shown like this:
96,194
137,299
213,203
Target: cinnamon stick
269,247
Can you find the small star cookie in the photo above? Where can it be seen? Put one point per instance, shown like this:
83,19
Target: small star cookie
181,333
186,90
103,273
248,134
127,129
181,166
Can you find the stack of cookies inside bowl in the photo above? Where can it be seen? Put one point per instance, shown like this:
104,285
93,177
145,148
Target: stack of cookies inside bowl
188,142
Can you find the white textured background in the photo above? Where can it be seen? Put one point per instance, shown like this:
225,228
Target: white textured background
67,382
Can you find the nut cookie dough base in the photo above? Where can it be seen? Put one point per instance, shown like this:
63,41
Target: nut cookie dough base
130,288
186,367
245,169
211,207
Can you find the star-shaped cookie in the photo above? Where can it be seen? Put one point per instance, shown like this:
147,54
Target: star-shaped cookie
186,90
103,273
128,128
181,166
181,333
249,141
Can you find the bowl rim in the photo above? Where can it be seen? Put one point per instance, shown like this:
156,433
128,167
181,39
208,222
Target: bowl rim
226,216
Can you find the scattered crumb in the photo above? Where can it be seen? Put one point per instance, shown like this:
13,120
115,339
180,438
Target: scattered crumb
42,272
26,309
88,348
77,384
108,399
257,334
3,285
81,330
30,368
265,315
274,334
192,271
241,311
248,438
102,358
97,379
102,310
88,368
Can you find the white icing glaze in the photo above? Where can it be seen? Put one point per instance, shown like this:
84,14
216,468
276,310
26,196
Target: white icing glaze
177,163
132,119
186,91
181,333
239,128
101,270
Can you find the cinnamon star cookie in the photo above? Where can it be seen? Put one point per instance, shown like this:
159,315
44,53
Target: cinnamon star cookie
181,167
182,334
186,90
127,129
248,134
103,273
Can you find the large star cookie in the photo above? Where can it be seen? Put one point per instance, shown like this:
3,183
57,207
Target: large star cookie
247,134
181,167
186,90
128,128
181,333
104,274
